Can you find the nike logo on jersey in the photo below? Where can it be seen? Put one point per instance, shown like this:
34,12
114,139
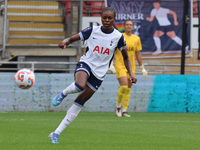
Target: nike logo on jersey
101,50
94,38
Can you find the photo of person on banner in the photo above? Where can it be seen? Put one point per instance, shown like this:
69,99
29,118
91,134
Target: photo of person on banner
164,27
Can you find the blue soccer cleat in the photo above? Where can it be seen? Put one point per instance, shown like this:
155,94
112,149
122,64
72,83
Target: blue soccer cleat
53,137
58,99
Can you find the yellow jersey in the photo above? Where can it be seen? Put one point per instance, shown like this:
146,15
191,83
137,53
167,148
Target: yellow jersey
133,44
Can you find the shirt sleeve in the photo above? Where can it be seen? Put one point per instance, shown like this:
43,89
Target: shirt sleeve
166,10
139,44
153,12
122,43
85,34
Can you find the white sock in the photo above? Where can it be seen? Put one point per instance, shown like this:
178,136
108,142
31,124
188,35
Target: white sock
118,106
178,40
157,42
72,88
123,110
72,113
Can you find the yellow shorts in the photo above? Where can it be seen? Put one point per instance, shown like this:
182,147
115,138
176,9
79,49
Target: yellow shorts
121,71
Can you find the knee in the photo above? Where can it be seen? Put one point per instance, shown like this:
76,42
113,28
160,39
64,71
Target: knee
79,87
84,96
123,89
128,90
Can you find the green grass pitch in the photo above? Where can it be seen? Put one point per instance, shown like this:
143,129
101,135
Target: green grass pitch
100,131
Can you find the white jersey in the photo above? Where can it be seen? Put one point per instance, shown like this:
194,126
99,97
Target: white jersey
161,15
100,48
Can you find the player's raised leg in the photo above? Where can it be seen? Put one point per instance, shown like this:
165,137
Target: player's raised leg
72,88
82,72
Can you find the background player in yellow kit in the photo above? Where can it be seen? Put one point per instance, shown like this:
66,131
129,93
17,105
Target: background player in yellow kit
133,48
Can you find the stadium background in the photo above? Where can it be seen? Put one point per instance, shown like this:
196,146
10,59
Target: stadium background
30,33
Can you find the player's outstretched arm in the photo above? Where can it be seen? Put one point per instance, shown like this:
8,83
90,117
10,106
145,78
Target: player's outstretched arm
69,40
173,13
128,65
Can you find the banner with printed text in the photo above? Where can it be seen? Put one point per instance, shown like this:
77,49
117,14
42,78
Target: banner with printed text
159,24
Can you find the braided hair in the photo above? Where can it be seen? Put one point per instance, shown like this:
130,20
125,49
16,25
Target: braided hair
109,9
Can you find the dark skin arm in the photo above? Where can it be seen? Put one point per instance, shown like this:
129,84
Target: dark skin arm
128,66
69,40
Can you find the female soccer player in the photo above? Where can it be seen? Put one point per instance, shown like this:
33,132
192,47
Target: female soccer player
92,67
133,47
